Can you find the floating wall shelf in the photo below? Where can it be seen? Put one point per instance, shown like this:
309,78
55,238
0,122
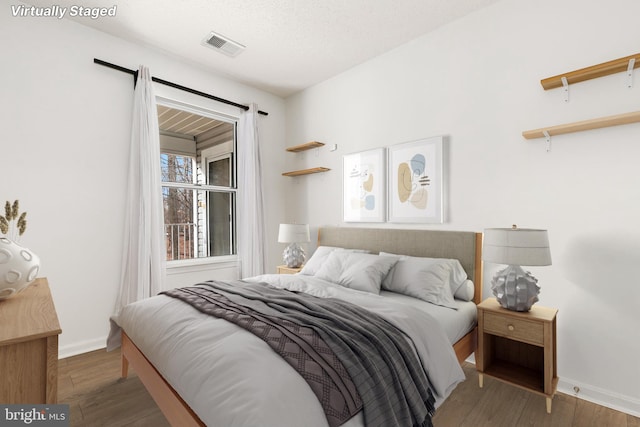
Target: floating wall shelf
593,72
602,122
305,146
306,171
628,64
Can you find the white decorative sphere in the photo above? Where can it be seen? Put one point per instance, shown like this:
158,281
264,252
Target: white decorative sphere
18,267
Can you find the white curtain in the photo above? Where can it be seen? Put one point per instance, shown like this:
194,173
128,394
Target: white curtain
143,257
251,228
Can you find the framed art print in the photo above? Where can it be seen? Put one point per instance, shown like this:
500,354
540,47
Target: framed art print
415,181
363,180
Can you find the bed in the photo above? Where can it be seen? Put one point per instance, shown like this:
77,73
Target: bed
162,370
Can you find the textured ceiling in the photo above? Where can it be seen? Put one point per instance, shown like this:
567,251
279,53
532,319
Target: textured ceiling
290,44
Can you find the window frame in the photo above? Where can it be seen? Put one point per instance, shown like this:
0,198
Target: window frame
208,156
222,260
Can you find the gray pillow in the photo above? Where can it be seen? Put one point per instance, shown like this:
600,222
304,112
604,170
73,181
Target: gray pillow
429,279
458,275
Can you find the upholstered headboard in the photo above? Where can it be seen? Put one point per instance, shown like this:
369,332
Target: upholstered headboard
466,246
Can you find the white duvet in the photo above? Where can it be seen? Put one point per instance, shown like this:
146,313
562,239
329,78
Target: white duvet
229,377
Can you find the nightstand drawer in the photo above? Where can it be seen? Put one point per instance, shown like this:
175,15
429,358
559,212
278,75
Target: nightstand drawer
507,326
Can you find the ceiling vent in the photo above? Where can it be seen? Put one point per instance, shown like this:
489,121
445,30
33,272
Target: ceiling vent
223,44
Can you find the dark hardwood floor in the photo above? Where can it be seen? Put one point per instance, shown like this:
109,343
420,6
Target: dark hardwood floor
90,383
502,405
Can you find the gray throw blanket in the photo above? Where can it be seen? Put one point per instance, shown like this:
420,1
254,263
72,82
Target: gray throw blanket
300,346
387,374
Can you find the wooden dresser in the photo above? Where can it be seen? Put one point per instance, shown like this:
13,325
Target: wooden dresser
29,330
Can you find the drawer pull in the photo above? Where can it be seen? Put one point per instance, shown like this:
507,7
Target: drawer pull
511,328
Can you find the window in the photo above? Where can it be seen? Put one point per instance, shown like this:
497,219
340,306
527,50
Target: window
199,187
220,205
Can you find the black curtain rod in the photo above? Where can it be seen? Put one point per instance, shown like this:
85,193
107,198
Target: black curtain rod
134,73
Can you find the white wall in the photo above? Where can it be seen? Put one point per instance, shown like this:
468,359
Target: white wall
477,82
64,155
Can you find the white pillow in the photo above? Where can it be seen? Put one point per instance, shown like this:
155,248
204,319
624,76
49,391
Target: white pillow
356,270
466,291
458,275
318,258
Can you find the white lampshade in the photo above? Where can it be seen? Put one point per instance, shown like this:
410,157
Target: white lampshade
516,246
293,233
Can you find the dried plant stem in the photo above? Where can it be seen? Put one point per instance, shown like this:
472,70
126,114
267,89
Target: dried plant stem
12,213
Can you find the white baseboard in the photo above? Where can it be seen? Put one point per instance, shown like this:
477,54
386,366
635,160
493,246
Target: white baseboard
81,347
619,402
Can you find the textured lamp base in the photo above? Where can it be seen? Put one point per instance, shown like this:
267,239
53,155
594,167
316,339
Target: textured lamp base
293,255
515,289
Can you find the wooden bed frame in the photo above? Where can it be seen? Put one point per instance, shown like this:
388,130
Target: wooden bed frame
465,246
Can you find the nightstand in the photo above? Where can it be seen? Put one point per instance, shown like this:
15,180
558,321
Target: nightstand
283,269
518,348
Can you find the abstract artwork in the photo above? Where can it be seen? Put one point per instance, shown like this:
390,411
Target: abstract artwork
363,177
415,181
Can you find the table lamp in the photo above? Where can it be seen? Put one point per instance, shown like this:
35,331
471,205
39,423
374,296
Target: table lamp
513,287
293,234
